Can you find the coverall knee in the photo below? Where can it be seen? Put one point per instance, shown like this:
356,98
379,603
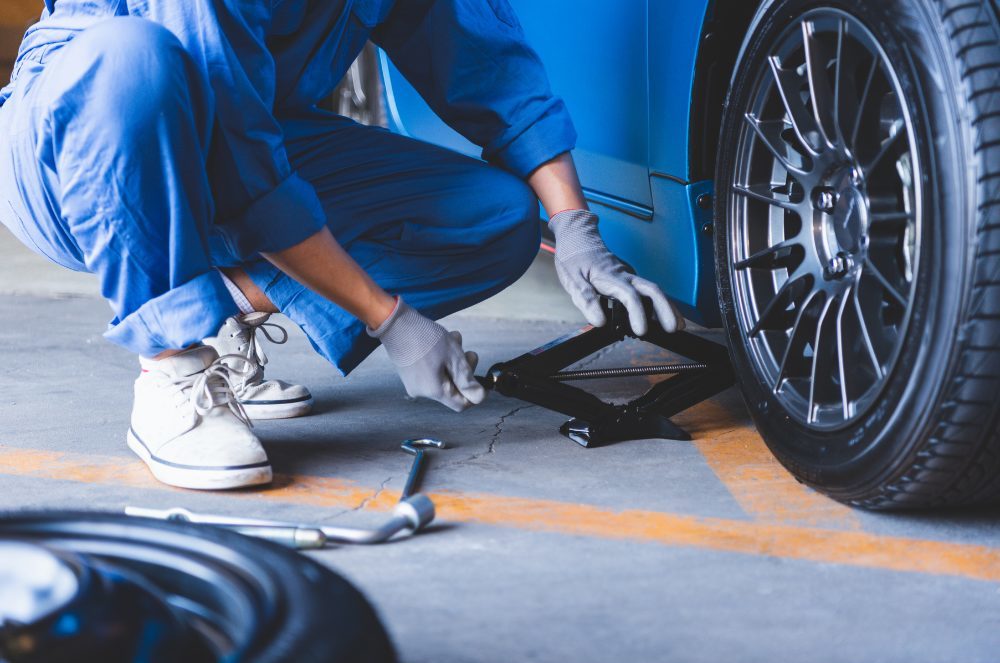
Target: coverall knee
103,169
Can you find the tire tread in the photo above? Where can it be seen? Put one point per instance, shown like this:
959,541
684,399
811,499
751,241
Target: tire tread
960,461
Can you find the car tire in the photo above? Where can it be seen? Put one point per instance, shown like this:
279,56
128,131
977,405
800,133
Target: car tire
918,410
166,590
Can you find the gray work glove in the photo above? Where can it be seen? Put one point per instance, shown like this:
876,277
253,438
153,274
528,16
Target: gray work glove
429,359
587,269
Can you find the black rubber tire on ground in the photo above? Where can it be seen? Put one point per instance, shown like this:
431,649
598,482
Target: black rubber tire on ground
265,603
931,438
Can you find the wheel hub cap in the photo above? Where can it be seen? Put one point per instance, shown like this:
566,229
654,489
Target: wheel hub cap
842,219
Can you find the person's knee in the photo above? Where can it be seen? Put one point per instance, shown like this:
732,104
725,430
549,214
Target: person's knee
518,197
520,205
511,205
132,62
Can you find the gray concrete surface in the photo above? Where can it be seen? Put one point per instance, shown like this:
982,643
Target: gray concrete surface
647,551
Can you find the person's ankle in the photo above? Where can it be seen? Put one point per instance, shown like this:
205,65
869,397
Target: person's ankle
167,354
247,291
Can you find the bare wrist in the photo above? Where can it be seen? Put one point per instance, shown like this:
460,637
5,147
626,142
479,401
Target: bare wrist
382,306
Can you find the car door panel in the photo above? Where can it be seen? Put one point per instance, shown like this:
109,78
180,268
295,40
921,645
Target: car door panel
595,55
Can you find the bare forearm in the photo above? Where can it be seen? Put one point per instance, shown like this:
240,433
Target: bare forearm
557,185
322,265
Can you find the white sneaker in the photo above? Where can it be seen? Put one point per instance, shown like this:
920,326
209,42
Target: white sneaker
262,399
188,426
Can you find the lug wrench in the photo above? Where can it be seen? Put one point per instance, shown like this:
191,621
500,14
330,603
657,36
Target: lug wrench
412,513
416,449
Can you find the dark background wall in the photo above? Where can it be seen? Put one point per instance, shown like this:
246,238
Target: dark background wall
15,16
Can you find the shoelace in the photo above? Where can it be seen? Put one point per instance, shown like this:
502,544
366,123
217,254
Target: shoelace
216,382
255,352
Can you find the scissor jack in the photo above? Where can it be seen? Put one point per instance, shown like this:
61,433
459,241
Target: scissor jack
538,377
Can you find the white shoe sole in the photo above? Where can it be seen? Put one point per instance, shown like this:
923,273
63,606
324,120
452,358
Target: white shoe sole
195,478
277,409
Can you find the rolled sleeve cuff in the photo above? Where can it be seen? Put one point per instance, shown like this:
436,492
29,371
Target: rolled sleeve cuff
553,134
289,214
176,319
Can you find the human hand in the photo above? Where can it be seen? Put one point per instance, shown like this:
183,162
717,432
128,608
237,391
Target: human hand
429,359
587,270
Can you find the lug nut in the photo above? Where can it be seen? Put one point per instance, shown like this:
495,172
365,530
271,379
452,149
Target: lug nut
839,265
826,200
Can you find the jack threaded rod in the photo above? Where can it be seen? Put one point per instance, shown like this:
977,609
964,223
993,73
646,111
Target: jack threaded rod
629,371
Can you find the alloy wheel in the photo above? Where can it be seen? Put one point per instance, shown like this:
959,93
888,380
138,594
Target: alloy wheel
825,221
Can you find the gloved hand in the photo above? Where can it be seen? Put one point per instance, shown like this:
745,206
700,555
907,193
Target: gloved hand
429,359
587,269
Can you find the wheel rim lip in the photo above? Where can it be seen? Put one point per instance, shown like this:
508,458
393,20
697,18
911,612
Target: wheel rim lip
49,580
176,563
764,357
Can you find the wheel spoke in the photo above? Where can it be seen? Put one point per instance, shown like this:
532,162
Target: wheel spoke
817,61
771,139
843,102
845,399
789,82
785,296
763,193
887,145
819,361
772,257
866,337
796,340
871,268
862,103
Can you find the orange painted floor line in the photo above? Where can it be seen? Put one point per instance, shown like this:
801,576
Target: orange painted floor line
737,455
853,548
764,489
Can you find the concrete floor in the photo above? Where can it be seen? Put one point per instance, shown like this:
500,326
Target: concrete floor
643,552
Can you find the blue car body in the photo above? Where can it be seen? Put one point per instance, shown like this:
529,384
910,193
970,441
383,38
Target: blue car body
627,71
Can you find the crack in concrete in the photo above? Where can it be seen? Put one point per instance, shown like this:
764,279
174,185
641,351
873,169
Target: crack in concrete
499,428
362,504
494,439
374,496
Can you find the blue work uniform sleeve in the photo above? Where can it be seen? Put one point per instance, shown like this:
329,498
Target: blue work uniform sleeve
470,62
261,204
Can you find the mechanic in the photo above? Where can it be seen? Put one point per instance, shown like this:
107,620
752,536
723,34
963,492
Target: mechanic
175,148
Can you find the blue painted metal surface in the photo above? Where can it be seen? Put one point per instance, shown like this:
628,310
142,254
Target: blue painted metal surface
626,71
675,33
596,60
675,250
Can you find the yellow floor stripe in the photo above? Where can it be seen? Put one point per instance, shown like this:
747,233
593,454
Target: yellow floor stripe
737,455
760,485
757,538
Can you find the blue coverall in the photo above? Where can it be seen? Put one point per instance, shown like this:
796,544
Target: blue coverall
149,141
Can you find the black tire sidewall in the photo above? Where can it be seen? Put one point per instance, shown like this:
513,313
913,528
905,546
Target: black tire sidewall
312,614
855,462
